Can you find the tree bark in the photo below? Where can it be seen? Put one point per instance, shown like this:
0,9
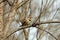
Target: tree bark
1,20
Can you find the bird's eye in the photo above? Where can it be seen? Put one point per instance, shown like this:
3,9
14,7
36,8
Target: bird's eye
30,20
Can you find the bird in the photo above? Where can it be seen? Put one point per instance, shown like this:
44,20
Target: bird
26,21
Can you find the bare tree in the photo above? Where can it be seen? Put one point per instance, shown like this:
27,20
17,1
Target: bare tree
17,17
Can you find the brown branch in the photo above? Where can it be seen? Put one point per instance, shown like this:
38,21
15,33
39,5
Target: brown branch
47,22
29,27
6,1
3,1
47,32
17,29
21,4
23,27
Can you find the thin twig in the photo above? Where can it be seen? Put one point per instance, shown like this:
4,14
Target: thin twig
47,32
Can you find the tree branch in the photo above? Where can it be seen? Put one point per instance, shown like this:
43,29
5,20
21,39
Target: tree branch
23,27
21,4
47,32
